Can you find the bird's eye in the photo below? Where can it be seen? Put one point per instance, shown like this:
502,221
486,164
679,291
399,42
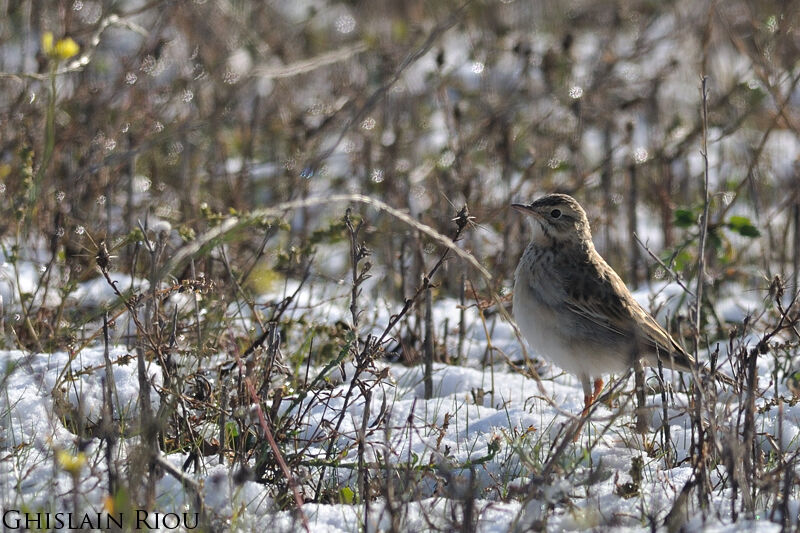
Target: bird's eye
555,213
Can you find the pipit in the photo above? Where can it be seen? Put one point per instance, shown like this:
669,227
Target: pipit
575,310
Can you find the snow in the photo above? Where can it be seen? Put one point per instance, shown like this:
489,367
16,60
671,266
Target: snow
491,416
488,425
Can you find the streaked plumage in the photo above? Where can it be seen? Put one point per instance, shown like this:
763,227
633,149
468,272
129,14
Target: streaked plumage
574,309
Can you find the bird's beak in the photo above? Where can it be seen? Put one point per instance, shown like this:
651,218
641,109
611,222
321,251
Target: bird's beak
524,209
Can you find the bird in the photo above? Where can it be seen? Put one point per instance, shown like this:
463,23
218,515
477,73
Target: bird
575,310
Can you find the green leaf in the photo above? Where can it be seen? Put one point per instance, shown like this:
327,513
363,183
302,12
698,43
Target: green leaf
749,231
685,218
737,221
232,430
743,226
346,495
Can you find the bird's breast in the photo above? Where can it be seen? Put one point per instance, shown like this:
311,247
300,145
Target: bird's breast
536,278
536,297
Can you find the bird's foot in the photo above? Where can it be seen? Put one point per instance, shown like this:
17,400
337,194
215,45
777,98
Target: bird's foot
589,399
598,387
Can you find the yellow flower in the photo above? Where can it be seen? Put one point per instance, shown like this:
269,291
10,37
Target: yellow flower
108,504
66,48
47,43
60,50
71,463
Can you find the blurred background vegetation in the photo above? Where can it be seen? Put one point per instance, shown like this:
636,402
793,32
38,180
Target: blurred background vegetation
186,112
131,129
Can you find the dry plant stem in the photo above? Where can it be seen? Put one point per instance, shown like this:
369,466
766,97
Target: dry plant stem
358,252
281,308
44,287
428,374
191,486
379,93
239,290
751,455
796,236
207,241
699,450
146,420
462,330
371,346
781,463
290,480
703,224
27,322
108,413
175,397
276,316
786,322
271,231
666,438
571,431
109,373
355,381
700,473
641,402
196,303
462,220
223,405
273,347
307,65
363,471
776,120
468,524
149,425
635,258
672,274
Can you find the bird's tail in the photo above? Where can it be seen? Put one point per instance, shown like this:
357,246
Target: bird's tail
683,362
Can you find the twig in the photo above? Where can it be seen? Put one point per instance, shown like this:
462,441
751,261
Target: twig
307,65
207,241
378,93
290,479
701,252
672,274
428,346
191,486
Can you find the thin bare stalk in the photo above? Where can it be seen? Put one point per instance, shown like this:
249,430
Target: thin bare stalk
701,252
428,375
462,325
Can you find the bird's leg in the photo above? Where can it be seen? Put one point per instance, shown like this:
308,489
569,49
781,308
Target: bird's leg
588,396
598,386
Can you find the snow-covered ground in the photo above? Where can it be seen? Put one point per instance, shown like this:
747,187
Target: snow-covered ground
477,446
488,112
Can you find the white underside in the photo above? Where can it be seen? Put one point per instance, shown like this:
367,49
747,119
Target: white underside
550,337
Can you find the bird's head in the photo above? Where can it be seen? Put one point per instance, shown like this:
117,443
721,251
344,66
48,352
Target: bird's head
560,217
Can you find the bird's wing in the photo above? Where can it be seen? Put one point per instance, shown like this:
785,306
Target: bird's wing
603,299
